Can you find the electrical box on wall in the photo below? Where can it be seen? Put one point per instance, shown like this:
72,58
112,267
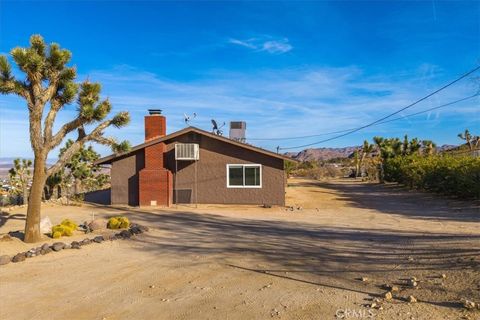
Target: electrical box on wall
187,151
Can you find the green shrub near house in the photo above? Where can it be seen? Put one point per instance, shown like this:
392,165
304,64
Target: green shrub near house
446,174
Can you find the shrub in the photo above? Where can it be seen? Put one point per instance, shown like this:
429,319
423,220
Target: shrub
69,223
118,223
113,223
446,174
56,235
65,228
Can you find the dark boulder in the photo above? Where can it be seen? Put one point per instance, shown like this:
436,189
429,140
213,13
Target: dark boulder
19,257
57,246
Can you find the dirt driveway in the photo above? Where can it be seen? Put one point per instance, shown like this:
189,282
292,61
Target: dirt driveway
222,262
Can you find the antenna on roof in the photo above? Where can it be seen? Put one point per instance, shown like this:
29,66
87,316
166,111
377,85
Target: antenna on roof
216,129
187,118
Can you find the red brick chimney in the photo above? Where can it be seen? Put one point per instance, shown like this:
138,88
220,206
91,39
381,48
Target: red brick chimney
155,181
155,125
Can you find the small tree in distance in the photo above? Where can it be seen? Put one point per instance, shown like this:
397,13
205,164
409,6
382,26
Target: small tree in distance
50,84
81,168
20,175
472,141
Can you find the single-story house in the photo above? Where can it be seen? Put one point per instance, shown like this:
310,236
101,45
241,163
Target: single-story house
194,166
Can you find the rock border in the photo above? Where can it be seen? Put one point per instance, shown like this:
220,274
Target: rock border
46,248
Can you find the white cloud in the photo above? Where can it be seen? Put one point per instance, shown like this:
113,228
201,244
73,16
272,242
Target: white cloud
275,103
245,43
265,44
277,46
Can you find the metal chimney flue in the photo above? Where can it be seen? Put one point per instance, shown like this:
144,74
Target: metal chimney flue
154,111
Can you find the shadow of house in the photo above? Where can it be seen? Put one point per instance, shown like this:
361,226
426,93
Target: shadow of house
102,197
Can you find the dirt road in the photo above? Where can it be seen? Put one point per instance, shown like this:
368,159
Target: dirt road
222,262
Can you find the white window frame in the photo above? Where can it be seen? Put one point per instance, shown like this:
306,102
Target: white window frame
244,166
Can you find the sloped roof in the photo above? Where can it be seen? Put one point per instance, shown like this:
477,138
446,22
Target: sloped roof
111,158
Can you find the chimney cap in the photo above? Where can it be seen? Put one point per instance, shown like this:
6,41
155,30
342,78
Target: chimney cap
155,111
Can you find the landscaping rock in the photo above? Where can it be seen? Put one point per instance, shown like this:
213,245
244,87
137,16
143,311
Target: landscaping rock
75,245
125,234
468,304
388,295
97,224
85,241
391,288
67,246
135,230
45,246
5,260
19,257
45,225
57,246
411,299
364,279
98,239
412,283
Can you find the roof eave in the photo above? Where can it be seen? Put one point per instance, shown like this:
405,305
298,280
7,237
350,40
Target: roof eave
109,159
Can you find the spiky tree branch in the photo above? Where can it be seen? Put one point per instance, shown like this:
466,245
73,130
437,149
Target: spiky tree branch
50,82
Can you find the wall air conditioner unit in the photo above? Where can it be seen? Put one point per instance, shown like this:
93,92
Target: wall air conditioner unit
187,151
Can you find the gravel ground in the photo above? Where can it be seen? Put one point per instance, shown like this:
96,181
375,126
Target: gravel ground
246,262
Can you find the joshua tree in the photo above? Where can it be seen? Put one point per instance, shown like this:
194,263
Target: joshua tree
50,84
367,148
289,166
356,158
52,185
81,166
428,147
20,176
472,141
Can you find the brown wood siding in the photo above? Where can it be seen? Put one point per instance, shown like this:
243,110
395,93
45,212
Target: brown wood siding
124,179
212,174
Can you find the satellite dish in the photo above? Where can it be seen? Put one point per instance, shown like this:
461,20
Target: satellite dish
215,126
187,118
216,129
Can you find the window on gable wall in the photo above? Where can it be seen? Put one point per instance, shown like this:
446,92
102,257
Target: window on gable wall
244,176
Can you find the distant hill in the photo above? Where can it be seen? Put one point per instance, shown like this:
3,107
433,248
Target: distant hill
316,154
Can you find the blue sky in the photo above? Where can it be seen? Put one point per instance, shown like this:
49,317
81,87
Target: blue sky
287,68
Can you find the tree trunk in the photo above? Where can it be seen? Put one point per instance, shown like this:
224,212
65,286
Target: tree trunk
54,194
25,193
77,186
362,159
381,177
32,226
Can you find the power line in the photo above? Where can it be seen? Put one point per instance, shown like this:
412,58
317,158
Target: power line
389,115
382,122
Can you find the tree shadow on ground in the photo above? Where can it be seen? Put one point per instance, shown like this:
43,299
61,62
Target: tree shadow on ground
332,257
396,199
5,216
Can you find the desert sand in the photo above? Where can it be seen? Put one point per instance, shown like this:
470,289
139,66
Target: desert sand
247,262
